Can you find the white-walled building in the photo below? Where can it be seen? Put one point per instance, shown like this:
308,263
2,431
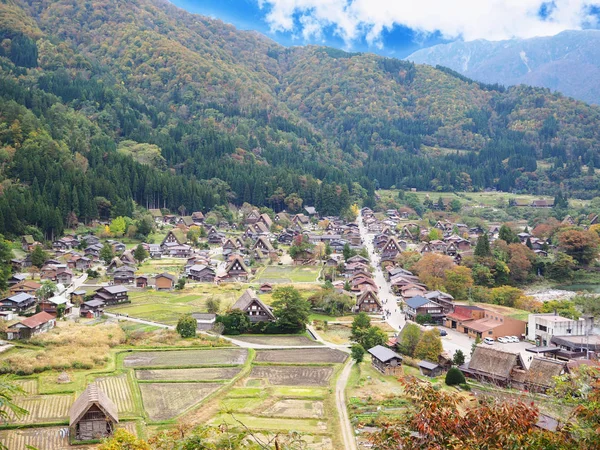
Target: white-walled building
542,327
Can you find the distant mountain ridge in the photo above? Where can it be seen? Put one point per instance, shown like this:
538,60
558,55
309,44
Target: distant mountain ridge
568,62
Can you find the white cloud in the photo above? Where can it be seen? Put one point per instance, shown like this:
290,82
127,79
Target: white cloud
466,19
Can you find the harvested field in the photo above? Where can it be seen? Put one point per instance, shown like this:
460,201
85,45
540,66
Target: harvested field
182,358
301,409
29,386
43,408
221,373
164,401
241,405
293,376
47,438
292,340
312,355
118,390
272,423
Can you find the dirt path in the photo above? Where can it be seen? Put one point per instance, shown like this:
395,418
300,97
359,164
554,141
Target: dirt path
340,400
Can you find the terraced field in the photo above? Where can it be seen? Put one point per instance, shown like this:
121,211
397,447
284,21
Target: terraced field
29,386
46,438
164,401
42,408
293,376
186,358
300,355
202,374
278,340
118,390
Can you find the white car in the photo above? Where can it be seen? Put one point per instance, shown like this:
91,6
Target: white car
503,340
489,341
513,339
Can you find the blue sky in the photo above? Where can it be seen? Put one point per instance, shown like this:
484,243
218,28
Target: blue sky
398,27
246,15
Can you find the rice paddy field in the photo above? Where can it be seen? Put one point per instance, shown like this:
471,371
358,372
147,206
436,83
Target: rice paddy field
270,391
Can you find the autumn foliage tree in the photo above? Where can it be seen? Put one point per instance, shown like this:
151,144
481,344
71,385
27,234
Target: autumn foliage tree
437,419
583,246
432,268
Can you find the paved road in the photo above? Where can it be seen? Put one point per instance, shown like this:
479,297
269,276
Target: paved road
395,317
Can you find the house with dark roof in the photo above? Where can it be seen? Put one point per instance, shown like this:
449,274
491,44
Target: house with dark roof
93,416
36,324
18,303
385,360
256,310
421,306
91,309
202,273
112,295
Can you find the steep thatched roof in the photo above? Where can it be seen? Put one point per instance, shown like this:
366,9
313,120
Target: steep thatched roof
541,372
492,362
247,299
90,397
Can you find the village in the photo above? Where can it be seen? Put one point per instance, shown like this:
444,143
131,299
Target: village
211,270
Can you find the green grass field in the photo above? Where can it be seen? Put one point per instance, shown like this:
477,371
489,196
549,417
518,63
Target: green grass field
287,274
490,199
167,307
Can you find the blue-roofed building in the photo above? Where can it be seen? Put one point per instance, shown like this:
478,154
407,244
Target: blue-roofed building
18,303
418,305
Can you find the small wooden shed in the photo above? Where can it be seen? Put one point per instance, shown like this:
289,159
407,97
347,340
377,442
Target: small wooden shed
385,360
93,416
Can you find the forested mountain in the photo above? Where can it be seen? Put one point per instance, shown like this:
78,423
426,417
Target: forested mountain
568,62
105,102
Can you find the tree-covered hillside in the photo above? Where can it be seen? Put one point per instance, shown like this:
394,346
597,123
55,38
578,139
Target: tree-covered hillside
103,102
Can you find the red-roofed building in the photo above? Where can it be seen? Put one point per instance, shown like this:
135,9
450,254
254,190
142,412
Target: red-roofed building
36,324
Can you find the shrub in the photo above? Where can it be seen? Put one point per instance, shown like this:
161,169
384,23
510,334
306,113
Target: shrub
186,326
455,377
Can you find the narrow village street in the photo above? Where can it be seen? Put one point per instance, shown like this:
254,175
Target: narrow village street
393,311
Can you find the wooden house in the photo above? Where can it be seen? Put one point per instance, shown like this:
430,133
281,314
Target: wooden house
26,286
202,273
256,310
198,217
266,220
252,217
237,269
27,243
112,295
165,281
124,275
91,309
429,369
264,244
93,416
18,303
77,297
367,301
266,288
141,281
385,360
36,324
391,249
52,305
421,306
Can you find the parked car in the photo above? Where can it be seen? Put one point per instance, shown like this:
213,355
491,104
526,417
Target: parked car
443,333
489,341
514,339
503,340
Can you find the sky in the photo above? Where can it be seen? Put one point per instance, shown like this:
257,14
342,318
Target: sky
397,28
